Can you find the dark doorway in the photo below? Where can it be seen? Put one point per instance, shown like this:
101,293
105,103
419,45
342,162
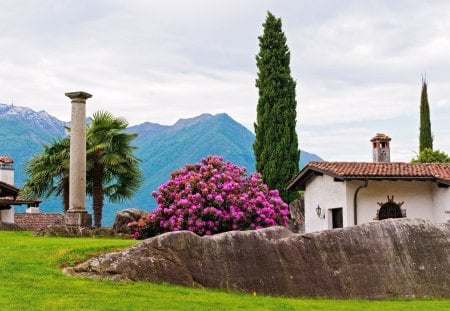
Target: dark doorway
337,217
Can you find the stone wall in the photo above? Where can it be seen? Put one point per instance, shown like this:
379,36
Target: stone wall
28,221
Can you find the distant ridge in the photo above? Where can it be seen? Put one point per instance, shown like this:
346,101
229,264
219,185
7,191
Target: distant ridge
40,120
162,148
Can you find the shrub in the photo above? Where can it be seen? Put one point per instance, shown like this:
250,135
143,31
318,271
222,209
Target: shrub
212,197
431,156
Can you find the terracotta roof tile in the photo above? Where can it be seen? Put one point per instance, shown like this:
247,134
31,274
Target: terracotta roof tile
6,160
380,137
436,172
19,199
366,169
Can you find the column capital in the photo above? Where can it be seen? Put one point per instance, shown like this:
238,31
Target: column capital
78,96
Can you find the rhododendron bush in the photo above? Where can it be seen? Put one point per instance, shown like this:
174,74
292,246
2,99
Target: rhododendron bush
211,197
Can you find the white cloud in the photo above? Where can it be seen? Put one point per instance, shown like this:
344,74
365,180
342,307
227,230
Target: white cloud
358,65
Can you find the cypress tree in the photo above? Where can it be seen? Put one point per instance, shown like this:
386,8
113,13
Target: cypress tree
276,144
425,137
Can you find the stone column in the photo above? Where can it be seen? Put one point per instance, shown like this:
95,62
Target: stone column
77,215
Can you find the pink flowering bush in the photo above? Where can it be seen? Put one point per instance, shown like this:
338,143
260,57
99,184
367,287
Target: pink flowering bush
212,197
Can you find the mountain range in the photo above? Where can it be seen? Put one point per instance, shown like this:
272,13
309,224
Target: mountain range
162,148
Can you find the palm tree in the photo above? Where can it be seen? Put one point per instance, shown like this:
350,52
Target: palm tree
49,172
112,169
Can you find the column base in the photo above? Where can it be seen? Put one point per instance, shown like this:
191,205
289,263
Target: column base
80,219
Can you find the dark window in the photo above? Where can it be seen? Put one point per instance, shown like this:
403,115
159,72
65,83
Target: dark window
390,210
337,217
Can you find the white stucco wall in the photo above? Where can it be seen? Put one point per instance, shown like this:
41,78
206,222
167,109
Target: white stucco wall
422,199
323,191
416,195
7,215
350,188
7,175
441,204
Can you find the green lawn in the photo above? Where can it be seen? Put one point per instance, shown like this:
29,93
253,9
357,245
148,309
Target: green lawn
31,279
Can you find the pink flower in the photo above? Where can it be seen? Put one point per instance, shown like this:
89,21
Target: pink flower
211,197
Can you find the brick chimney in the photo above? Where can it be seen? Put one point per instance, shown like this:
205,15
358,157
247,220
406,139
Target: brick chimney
380,148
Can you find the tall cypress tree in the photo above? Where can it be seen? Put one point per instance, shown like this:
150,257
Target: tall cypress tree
425,137
276,144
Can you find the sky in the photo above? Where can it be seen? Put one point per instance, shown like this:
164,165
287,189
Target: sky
358,64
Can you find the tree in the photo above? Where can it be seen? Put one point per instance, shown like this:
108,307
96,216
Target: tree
49,172
276,145
425,137
112,169
212,197
431,156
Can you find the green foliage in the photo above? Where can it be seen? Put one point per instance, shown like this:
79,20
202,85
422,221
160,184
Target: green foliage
49,172
425,137
276,144
431,156
112,170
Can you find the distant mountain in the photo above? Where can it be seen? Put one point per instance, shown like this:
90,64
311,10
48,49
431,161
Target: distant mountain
147,130
161,148
187,142
38,120
22,133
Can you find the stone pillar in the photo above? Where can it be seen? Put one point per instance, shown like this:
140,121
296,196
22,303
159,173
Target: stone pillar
77,215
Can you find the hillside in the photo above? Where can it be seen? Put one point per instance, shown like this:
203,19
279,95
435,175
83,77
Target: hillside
161,148
23,132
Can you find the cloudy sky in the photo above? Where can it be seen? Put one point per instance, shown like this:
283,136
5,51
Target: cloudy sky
358,64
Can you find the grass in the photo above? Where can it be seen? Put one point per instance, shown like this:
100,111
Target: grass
31,279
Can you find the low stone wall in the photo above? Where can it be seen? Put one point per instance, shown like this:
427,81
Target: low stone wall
4,226
29,221
77,231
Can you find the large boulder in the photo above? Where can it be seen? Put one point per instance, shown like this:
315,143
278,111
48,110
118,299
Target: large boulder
124,217
377,260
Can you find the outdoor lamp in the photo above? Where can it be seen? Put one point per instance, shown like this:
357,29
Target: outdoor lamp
319,212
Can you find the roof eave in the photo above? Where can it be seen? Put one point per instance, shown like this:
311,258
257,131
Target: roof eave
299,181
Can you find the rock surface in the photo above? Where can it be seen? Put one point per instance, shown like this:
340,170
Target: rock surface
4,226
377,260
124,217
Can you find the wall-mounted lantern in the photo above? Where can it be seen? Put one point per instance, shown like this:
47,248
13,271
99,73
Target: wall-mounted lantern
319,212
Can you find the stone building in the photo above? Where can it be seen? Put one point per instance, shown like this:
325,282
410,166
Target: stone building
342,194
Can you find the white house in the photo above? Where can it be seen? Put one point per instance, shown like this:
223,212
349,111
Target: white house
9,194
342,194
